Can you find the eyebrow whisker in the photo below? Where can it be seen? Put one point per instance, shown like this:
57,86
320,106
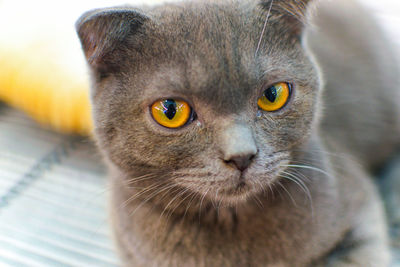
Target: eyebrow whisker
264,28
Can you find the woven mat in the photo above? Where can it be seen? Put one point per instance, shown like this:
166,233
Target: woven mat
52,198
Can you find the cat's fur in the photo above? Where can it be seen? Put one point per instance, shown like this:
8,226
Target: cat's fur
177,197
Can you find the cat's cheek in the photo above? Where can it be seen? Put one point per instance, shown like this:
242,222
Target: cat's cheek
283,132
170,152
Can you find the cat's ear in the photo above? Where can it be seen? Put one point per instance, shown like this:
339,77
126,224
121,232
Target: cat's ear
102,31
294,13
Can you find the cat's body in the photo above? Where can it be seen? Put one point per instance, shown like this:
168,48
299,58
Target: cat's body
238,186
360,74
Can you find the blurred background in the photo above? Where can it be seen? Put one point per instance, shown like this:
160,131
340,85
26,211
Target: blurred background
53,187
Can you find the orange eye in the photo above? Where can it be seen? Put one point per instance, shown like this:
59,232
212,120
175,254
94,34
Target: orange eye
171,113
275,97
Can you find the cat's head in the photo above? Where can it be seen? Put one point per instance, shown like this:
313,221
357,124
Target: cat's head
212,97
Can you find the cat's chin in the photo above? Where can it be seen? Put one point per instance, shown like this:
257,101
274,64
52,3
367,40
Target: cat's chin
238,195
239,192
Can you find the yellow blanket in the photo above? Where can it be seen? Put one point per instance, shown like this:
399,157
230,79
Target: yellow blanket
39,85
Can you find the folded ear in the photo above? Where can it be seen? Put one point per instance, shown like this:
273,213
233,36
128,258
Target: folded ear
102,31
293,12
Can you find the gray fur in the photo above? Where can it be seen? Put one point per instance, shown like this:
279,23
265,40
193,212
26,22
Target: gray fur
361,76
178,196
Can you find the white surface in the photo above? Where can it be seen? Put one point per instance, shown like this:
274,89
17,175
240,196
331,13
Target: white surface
50,24
388,14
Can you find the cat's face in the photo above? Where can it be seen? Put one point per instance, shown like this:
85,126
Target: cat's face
178,93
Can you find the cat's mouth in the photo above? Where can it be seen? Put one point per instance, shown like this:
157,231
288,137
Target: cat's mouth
240,190
225,185
243,186
252,182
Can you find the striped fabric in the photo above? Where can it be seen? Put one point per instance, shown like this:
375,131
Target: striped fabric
52,198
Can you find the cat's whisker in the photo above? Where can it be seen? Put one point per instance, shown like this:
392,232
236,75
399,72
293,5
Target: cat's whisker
191,194
297,172
150,197
302,185
290,196
191,178
167,192
138,194
307,167
166,207
261,186
218,205
343,156
272,190
183,191
297,180
334,164
201,202
264,28
150,188
194,194
169,214
317,151
142,176
216,198
140,179
258,201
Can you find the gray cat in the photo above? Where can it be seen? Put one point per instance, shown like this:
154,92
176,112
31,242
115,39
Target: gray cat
229,145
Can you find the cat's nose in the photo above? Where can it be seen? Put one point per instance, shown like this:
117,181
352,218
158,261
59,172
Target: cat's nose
241,162
238,146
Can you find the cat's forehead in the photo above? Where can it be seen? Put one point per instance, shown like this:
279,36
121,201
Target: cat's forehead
209,52
211,30
197,82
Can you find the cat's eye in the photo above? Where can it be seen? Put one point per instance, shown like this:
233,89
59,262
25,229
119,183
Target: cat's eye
171,113
275,97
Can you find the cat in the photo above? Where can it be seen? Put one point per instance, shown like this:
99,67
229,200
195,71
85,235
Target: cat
241,133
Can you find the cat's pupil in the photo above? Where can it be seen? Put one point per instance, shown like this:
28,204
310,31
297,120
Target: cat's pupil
271,94
169,108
